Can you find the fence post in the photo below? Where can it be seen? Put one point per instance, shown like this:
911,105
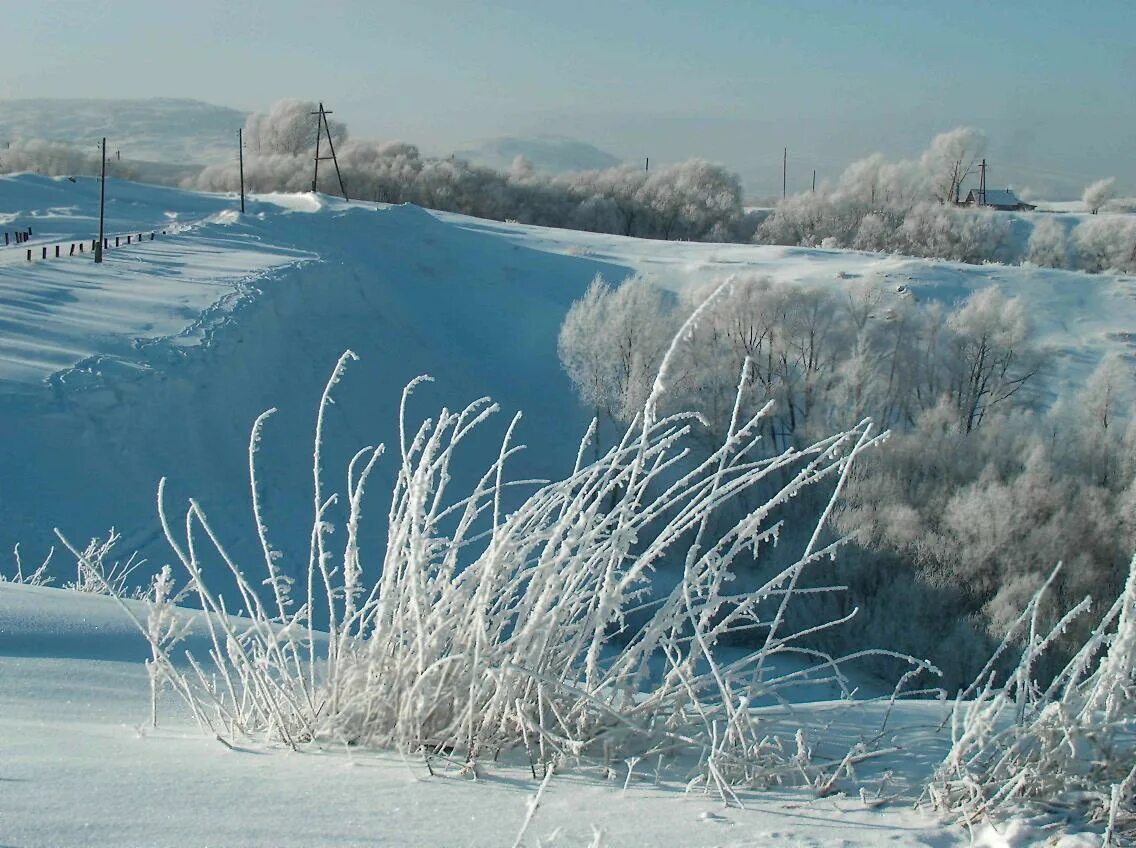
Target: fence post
80,247
5,239
45,251
116,241
29,254
72,253
128,239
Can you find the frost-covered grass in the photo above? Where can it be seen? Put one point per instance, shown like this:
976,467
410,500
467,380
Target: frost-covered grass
1070,746
486,630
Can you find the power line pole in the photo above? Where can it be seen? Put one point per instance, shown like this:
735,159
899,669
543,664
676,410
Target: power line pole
784,172
322,126
982,183
102,204
241,148
814,180
647,164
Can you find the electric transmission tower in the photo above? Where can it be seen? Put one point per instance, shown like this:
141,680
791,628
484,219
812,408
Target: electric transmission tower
323,129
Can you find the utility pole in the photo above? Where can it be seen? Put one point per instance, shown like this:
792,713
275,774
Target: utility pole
647,164
241,149
982,183
784,172
321,126
102,204
814,180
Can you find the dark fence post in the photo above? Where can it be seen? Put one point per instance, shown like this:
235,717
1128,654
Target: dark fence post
72,253
45,251
29,254
56,251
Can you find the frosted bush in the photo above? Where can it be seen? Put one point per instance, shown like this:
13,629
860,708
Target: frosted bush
1106,243
1099,193
57,159
1067,744
535,629
38,576
1048,244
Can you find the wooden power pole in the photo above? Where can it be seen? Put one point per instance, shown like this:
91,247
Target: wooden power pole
102,204
322,127
241,150
784,172
814,180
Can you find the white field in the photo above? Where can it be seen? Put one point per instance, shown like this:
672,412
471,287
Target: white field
157,362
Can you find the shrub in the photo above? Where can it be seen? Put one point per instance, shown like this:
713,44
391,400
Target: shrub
1069,743
486,630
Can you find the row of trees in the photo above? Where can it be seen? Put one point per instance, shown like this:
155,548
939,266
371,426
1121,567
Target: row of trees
907,207
901,207
694,200
978,491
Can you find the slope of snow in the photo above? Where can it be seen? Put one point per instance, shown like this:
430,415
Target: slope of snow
80,765
158,362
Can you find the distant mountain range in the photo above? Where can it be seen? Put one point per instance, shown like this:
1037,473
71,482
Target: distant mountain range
166,130
547,154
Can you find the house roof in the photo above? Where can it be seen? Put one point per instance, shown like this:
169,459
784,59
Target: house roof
995,197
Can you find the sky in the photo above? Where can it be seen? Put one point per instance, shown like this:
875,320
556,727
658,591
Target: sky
734,81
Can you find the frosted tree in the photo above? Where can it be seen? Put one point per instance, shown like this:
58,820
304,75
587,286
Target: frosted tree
950,159
612,342
1106,243
521,169
1048,244
990,362
1099,193
288,129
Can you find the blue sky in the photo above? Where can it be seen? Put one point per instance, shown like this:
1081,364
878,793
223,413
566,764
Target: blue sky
1050,82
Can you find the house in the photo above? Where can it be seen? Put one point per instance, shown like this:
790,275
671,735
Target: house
997,198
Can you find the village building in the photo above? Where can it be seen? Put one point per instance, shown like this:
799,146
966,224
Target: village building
997,198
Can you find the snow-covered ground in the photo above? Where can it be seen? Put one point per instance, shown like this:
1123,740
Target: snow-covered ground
80,765
157,362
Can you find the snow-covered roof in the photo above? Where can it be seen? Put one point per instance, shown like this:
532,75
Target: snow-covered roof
995,197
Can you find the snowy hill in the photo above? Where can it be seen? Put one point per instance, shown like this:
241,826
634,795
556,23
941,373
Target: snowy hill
157,362
169,130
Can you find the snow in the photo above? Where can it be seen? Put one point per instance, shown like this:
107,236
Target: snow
80,765
157,362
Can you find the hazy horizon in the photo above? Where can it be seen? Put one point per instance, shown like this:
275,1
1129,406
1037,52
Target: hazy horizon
732,82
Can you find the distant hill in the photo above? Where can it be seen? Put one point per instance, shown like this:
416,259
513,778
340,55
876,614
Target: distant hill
166,130
548,154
